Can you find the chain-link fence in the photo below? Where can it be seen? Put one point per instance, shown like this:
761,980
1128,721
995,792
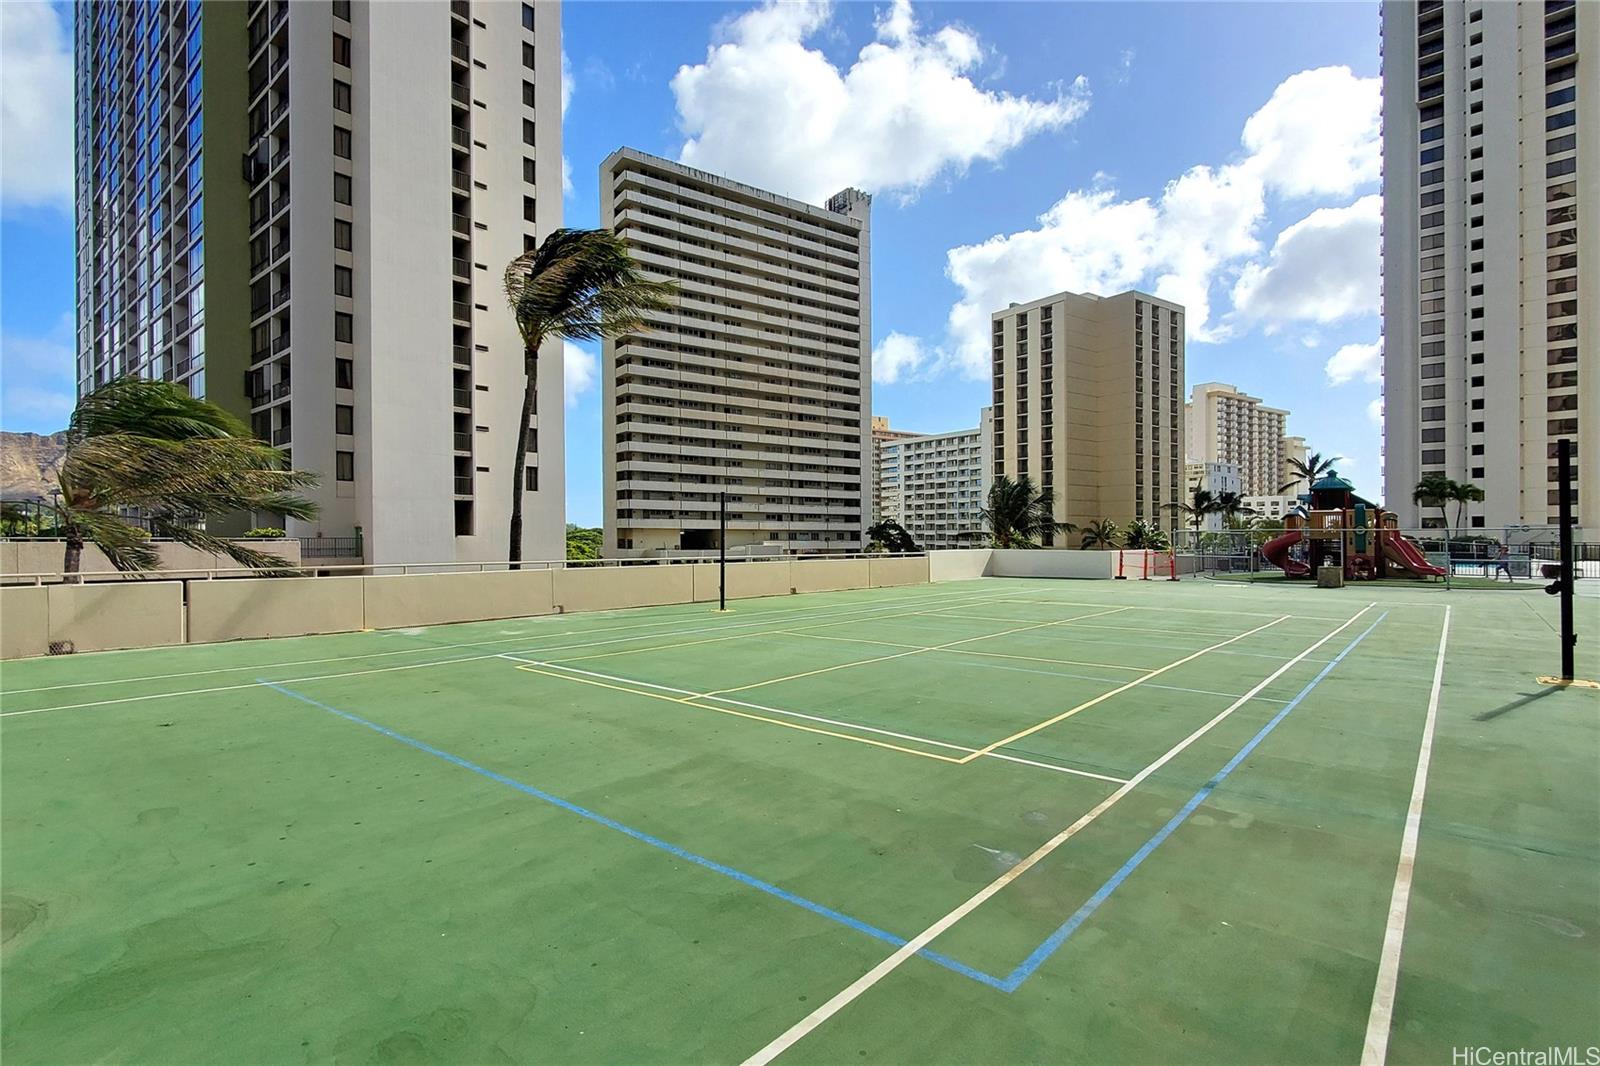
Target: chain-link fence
1472,557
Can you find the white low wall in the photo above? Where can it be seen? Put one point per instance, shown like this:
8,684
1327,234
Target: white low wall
958,564
439,599
143,614
1053,562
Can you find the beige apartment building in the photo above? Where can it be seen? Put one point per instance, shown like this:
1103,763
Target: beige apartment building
1228,426
758,382
1088,402
935,484
1490,257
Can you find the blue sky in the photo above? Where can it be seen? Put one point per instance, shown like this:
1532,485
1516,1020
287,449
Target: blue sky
1224,155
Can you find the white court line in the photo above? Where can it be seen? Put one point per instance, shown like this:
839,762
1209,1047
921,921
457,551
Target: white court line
850,993
421,649
1376,1047
806,717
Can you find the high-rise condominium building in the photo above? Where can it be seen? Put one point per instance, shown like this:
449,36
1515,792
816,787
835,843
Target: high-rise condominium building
758,382
1088,403
882,505
1491,258
935,485
303,212
1228,426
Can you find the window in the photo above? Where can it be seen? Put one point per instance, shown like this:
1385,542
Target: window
1432,133
1432,370
1432,392
530,478
1561,96
344,326
341,142
1477,405
1431,155
1476,84
341,9
527,208
527,55
1565,190
1561,238
341,188
1477,381
1567,143
1560,120
1432,177
1432,198
527,131
344,373
1564,261
527,19
342,235
1433,414
1433,455
528,170
1432,218
527,94
1561,403
344,418
344,281
1477,449
1434,436
341,95
344,466
341,49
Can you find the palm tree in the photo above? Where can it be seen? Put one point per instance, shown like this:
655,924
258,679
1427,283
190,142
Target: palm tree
1436,490
1142,534
150,446
1201,504
1465,492
1102,533
1311,469
1231,506
578,285
1018,516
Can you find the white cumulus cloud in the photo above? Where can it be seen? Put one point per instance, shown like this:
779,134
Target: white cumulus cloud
1375,410
579,367
898,358
1200,230
36,119
766,109
1356,361
1322,269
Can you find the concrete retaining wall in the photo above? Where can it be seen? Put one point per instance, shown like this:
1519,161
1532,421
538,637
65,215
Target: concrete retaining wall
439,599
1053,562
829,575
958,564
24,622
277,607
745,580
612,587
882,572
45,557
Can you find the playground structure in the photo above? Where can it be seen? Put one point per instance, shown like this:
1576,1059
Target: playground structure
1343,530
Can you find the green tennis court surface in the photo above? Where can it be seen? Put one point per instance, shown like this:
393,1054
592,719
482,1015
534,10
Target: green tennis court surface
985,821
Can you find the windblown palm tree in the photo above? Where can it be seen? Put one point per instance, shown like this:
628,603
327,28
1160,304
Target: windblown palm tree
1436,490
1101,533
1231,506
1018,516
1202,503
1311,469
150,446
1465,492
1142,534
578,285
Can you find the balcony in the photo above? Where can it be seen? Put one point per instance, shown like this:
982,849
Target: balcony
459,137
463,442
458,51
463,486
461,180
280,343
281,436
461,268
460,94
280,390
462,397
462,355
461,224
461,311
460,8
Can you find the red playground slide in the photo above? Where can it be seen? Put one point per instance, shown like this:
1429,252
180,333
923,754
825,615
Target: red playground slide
1407,556
1276,552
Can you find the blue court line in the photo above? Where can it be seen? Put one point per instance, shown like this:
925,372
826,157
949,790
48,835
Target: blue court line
1054,941
1012,981
643,837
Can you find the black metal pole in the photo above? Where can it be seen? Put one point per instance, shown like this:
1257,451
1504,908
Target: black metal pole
722,551
1569,639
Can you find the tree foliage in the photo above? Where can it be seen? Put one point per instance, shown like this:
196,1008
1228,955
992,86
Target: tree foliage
1018,516
1102,533
889,536
150,447
583,544
579,284
1312,469
1142,534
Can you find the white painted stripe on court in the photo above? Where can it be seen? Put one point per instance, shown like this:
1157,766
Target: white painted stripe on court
687,694
850,993
1380,1017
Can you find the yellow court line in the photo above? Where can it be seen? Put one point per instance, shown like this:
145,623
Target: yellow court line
1084,706
968,651
688,701
903,654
